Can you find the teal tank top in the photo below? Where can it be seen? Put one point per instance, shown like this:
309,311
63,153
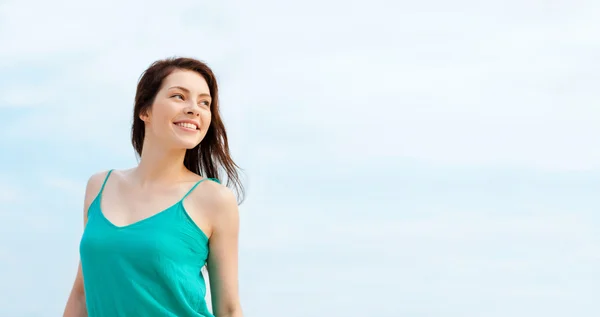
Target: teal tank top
149,268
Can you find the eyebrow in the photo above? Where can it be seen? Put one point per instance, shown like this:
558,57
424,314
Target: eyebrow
188,91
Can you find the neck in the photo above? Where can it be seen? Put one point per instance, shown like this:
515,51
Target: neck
160,165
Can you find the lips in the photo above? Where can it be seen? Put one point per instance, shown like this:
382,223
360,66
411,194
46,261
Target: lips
187,125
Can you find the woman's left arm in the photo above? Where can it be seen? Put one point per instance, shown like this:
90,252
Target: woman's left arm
223,256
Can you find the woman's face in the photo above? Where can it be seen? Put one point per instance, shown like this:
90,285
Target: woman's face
180,115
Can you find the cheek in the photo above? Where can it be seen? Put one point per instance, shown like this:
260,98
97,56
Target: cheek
163,113
206,118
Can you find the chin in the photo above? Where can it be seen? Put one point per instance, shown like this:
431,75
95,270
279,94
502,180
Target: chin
184,144
189,145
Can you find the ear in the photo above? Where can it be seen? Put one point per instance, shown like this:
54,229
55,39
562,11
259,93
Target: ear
145,115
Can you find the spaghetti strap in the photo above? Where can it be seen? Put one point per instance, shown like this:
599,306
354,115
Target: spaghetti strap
104,183
198,183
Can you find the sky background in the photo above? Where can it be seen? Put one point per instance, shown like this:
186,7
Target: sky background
402,158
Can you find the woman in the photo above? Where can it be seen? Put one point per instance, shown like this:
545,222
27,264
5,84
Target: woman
148,230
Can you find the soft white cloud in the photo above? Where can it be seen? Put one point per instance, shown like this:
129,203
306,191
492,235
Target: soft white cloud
460,226
474,91
68,187
21,98
426,257
76,28
9,193
450,86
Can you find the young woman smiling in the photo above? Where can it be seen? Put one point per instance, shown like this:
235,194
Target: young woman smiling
148,230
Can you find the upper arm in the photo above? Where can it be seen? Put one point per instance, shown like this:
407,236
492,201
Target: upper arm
223,256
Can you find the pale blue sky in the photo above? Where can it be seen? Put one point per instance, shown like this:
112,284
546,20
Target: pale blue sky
402,158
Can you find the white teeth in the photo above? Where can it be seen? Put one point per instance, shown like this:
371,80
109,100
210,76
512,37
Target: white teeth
187,125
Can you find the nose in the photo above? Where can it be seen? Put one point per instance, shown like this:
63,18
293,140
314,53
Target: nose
192,110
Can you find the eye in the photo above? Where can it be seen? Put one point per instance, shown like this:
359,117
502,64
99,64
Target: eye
205,103
179,96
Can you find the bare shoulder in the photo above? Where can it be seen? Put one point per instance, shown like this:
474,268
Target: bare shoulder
95,182
97,179
219,197
92,188
214,203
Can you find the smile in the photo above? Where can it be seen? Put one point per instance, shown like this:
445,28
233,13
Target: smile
187,126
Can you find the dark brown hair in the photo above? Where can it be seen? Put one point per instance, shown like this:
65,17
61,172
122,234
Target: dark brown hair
212,154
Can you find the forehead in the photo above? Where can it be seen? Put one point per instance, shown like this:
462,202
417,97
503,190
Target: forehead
187,79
